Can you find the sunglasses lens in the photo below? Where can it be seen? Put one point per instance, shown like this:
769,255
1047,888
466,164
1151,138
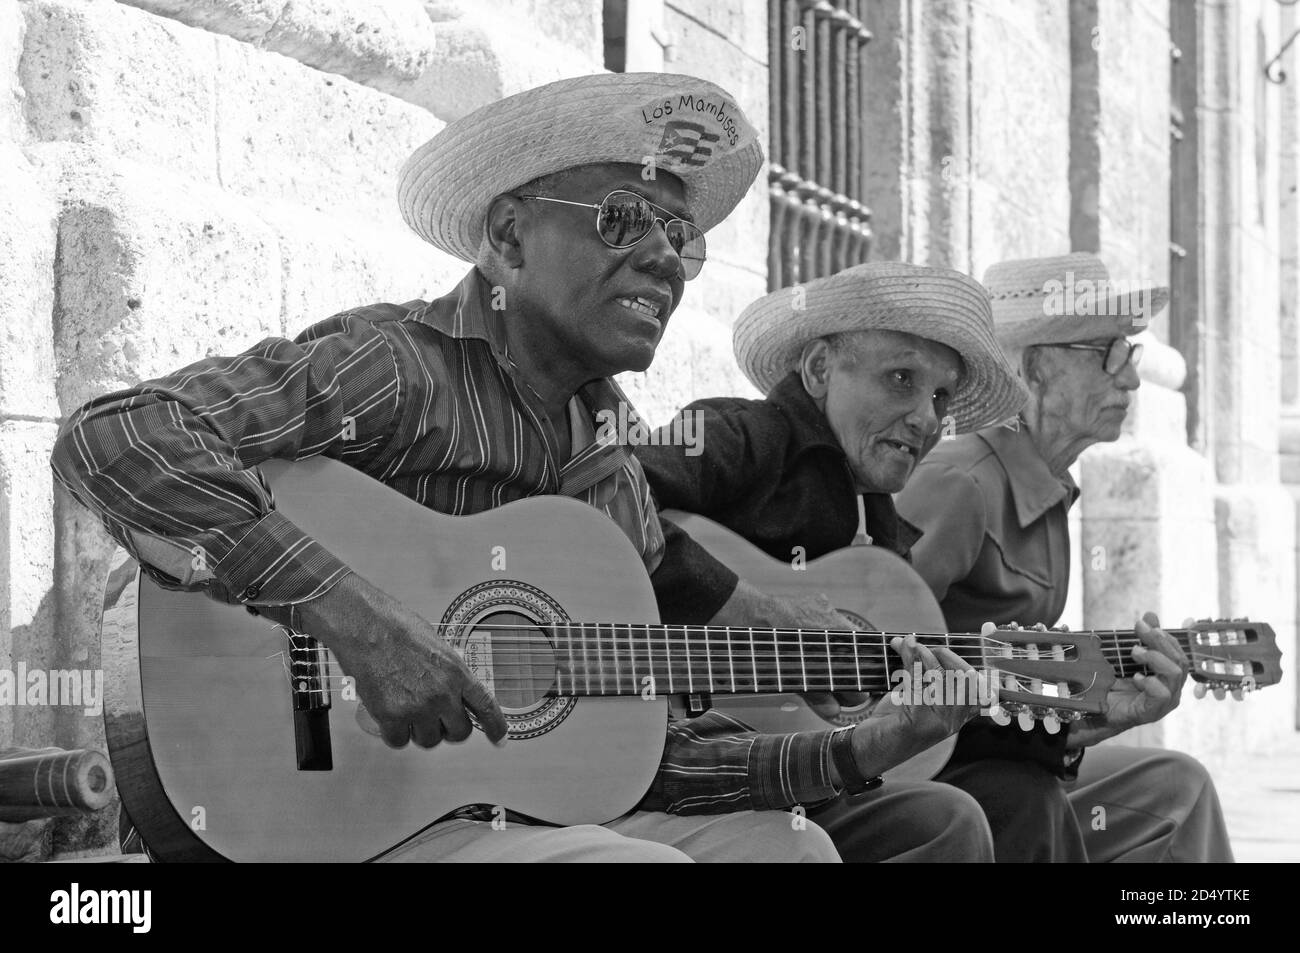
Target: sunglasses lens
624,219
1120,354
688,242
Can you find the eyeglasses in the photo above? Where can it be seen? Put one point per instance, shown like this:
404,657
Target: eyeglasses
624,218
1119,353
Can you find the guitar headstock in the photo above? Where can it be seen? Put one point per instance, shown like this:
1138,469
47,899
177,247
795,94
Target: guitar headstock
1235,655
1045,674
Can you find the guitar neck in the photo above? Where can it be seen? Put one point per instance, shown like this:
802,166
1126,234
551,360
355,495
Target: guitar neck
605,659
1117,646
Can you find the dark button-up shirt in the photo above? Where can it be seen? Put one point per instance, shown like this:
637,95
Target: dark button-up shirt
421,396
996,548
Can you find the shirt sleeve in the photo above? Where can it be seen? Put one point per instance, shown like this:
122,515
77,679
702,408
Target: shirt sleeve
715,764
170,465
947,505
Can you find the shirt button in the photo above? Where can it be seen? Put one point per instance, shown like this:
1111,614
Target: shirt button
252,592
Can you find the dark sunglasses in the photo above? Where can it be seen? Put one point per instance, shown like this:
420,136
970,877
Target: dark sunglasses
1119,353
624,218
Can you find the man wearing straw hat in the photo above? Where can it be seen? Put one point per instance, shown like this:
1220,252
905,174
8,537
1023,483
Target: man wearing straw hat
862,371
993,506
582,206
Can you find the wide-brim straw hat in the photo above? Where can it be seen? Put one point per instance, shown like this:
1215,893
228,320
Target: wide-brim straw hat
670,123
935,303
1066,299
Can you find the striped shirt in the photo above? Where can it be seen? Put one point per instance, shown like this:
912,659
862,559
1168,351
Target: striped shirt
424,398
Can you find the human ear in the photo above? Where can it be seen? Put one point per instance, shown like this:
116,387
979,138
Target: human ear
502,230
814,368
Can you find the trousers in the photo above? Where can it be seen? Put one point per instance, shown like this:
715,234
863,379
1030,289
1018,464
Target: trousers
1128,805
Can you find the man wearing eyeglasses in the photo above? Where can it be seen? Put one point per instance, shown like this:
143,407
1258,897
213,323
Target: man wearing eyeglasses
582,209
993,507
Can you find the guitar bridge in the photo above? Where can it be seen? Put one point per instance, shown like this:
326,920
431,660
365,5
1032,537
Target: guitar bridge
309,686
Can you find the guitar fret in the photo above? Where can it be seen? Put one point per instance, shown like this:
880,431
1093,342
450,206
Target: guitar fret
753,659
776,657
731,663
568,638
600,658
830,668
631,654
803,668
614,644
586,665
686,644
857,667
668,659
708,659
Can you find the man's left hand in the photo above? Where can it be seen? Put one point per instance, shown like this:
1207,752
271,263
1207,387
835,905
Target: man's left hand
1142,699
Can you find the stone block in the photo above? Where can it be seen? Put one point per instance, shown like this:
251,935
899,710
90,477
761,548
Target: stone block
1148,532
137,86
12,28
83,550
576,24
344,159
329,266
27,630
723,290
482,58
27,234
154,273
380,43
744,25
1257,564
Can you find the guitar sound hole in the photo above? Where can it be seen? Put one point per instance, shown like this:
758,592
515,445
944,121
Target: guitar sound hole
514,659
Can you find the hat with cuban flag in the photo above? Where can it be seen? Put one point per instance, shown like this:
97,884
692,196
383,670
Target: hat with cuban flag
672,123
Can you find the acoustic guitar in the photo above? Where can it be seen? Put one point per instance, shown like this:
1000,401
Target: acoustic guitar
875,588
232,738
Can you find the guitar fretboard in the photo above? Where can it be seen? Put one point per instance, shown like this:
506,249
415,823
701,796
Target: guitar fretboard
622,659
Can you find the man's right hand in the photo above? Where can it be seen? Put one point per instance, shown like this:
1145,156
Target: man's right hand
412,683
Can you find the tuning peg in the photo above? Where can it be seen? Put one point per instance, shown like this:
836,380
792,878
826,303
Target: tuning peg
1238,694
1051,724
1219,693
1199,690
1062,628
999,715
1026,720
1041,627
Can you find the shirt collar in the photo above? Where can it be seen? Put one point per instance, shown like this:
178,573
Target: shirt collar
811,431
466,312
1033,486
810,428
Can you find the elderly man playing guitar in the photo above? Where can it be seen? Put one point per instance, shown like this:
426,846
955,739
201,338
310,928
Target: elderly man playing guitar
994,506
864,372
582,206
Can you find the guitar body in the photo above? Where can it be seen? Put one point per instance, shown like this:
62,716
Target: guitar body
200,716
873,587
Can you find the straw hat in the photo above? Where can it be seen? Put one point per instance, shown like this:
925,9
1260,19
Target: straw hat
689,126
1066,299
934,303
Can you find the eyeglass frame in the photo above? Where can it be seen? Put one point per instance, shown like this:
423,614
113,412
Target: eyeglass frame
1132,356
654,220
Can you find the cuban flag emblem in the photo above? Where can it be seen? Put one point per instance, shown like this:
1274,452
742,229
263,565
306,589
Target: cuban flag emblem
687,142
